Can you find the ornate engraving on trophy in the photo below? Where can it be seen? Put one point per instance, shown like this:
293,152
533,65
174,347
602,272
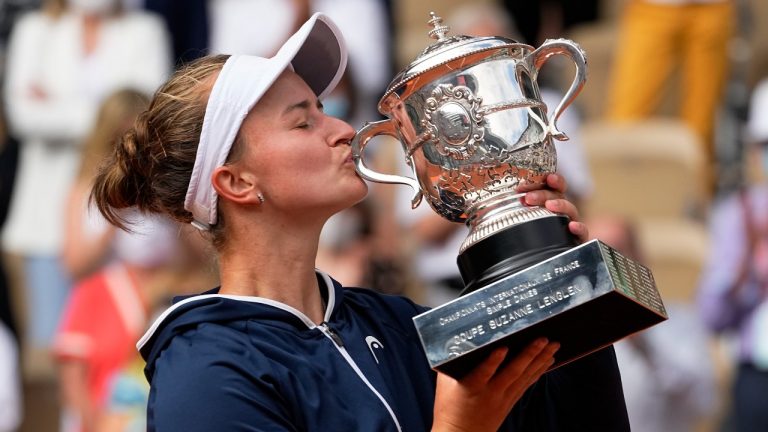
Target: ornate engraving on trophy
541,159
452,117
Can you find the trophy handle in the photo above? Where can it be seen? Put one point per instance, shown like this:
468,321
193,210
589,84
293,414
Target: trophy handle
566,47
368,131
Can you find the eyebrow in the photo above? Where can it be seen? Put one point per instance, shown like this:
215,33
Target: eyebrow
303,105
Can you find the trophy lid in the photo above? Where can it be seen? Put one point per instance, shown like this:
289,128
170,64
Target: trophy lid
446,55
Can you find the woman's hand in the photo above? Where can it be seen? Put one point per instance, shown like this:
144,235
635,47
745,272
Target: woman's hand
552,197
482,399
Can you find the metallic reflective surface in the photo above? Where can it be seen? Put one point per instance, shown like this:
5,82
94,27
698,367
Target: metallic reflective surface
585,298
469,116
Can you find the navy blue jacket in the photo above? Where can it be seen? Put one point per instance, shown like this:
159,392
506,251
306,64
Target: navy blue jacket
229,363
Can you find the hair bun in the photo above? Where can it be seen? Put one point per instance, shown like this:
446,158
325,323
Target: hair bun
122,181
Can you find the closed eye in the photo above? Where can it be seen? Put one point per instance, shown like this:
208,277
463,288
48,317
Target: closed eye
307,119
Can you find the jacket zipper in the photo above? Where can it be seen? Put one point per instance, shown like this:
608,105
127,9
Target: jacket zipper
339,344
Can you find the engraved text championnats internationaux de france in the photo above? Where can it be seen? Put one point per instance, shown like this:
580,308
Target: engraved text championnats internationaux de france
517,302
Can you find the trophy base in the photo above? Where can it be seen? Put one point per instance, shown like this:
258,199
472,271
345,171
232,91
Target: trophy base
513,249
584,298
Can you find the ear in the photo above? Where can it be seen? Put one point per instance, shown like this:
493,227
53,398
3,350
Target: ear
235,185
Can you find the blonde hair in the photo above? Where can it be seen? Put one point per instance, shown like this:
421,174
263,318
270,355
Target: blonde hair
116,114
151,165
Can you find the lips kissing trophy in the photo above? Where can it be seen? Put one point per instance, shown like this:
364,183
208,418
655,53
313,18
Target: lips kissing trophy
473,128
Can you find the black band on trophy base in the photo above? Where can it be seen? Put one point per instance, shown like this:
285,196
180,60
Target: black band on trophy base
513,249
584,298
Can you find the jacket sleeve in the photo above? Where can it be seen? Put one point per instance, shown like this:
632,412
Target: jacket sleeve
205,382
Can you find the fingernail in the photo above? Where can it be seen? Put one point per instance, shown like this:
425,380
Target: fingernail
532,196
554,346
541,342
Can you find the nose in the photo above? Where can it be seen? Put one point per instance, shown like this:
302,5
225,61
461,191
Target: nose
342,132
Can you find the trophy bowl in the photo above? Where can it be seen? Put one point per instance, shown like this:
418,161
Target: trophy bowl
473,128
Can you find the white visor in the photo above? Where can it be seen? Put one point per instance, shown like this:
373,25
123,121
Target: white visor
317,53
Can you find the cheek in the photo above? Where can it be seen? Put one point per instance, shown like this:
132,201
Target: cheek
293,172
283,163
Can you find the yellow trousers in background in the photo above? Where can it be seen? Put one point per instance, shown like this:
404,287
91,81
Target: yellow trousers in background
657,38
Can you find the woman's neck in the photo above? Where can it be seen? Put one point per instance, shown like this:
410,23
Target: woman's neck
274,266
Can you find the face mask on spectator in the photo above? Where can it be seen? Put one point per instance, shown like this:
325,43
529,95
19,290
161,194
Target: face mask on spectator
93,7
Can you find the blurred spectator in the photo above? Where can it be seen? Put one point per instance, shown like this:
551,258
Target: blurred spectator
666,371
733,293
127,394
438,240
88,238
62,61
109,305
106,314
656,36
115,384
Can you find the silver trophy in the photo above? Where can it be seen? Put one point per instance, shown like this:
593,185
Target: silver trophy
473,127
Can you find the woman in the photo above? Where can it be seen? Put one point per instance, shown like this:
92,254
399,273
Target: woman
88,240
62,62
107,308
240,148
733,290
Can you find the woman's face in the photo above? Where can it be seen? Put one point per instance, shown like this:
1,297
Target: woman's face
300,156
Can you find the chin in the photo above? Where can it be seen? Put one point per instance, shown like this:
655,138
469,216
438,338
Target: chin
351,195
359,193
363,190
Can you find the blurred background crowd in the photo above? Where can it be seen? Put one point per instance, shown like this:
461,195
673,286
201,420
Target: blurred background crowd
667,161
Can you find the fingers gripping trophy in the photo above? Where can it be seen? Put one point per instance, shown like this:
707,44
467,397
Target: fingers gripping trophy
473,128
